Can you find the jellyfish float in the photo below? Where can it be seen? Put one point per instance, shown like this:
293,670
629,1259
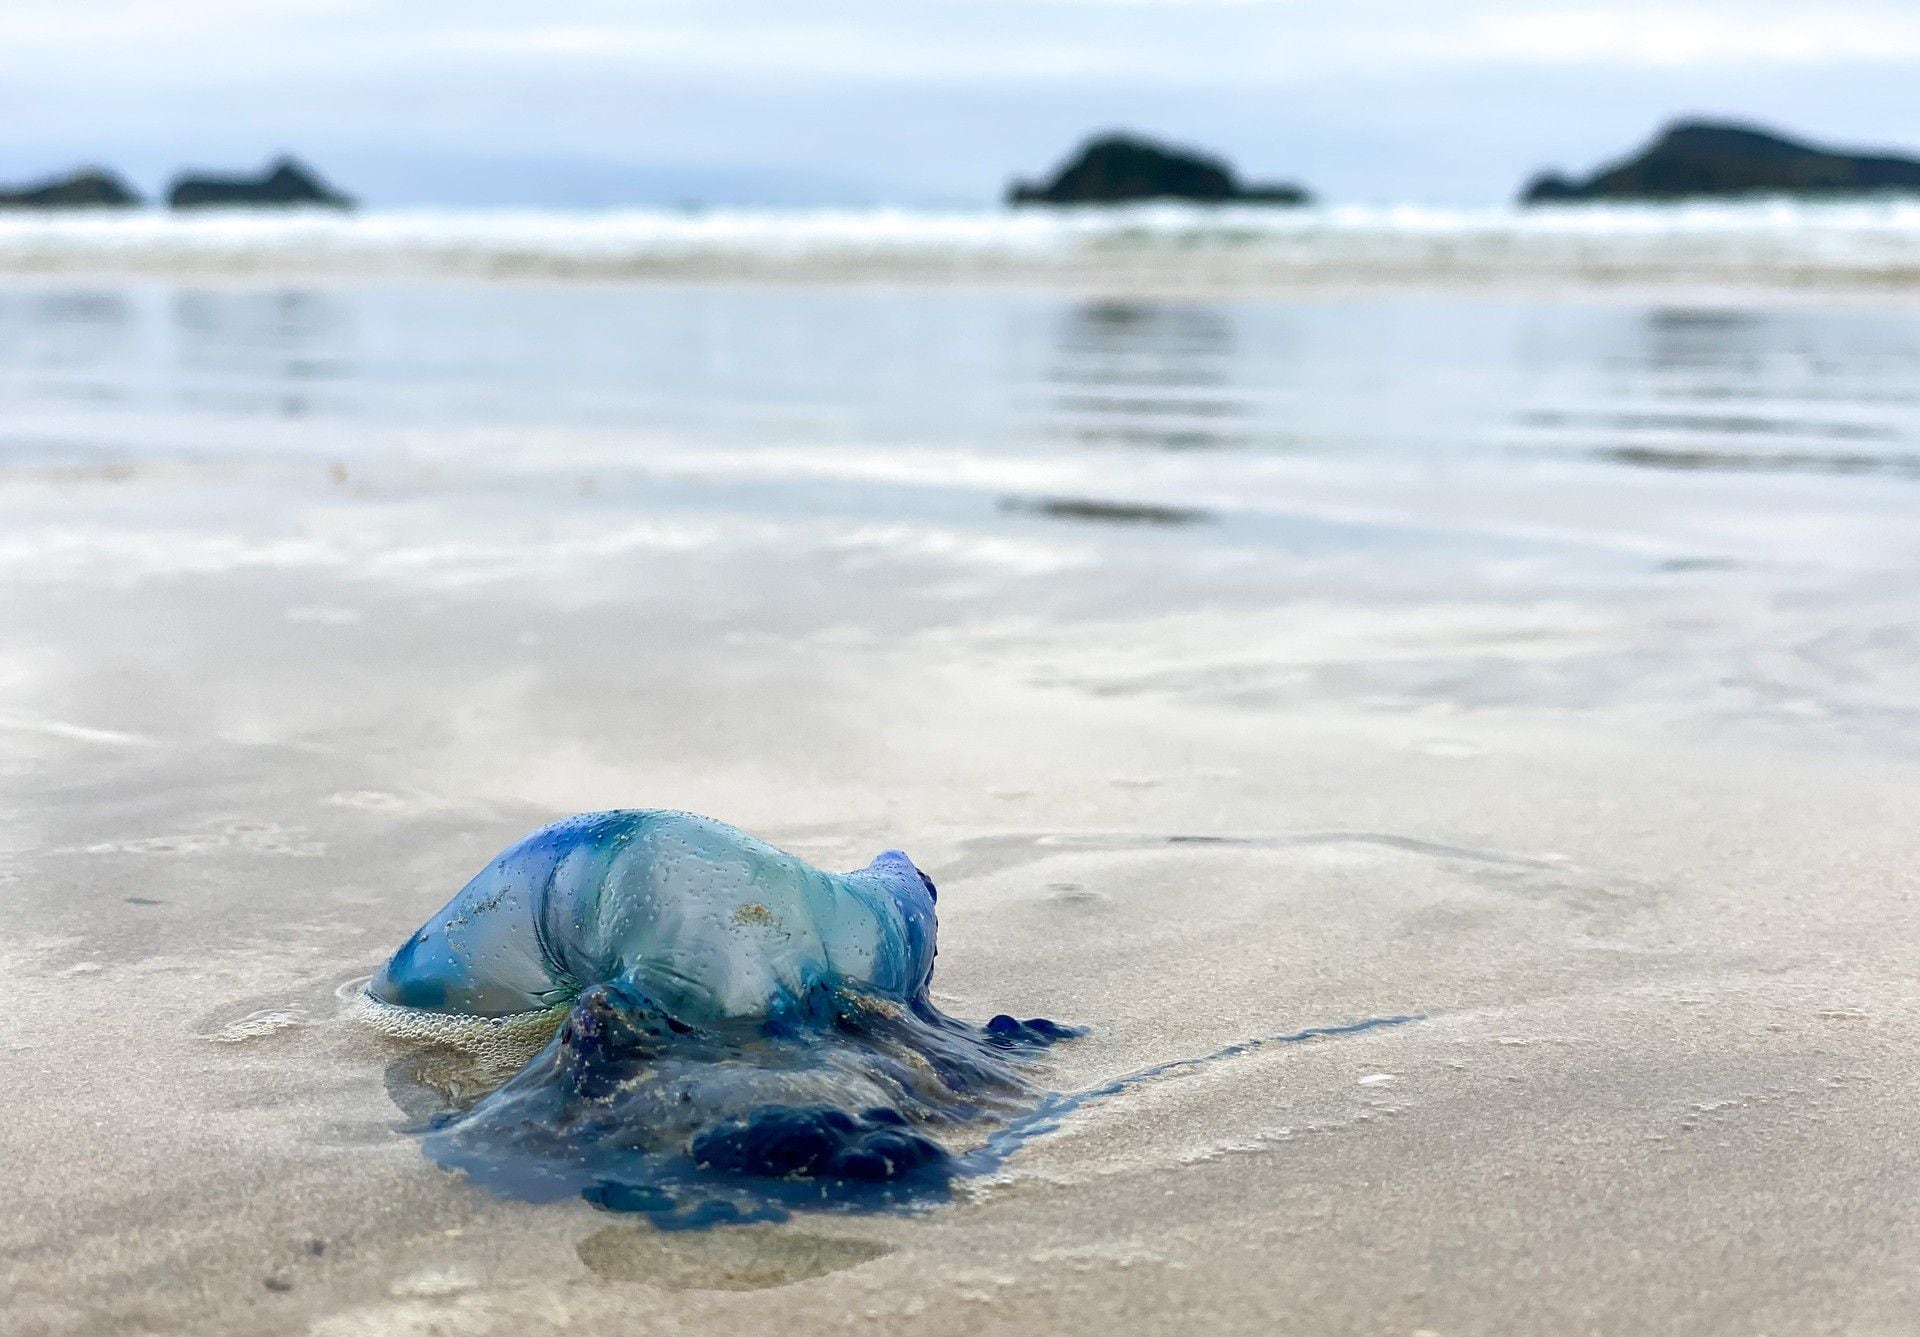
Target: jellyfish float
730,1033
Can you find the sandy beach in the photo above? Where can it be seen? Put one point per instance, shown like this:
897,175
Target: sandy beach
1546,671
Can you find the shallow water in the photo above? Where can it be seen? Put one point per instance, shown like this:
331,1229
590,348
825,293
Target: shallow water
1019,455
924,400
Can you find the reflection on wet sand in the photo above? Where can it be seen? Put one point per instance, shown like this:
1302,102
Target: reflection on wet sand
1788,462
262,351
1744,391
1678,337
1149,374
1106,512
1771,356
284,352
66,342
1723,424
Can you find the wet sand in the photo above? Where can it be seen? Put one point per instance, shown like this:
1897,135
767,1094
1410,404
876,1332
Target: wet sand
1624,818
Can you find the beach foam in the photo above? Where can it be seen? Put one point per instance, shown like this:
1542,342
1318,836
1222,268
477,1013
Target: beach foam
1776,242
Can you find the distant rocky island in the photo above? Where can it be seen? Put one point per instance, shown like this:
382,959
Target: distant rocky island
1693,159
87,188
1128,169
285,183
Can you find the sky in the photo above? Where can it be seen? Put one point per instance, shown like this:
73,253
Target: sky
800,102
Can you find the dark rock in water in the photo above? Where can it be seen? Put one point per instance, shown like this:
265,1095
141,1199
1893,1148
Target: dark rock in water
88,188
1122,169
1693,159
1549,188
285,184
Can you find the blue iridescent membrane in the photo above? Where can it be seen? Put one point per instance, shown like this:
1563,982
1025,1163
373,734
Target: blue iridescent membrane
744,1034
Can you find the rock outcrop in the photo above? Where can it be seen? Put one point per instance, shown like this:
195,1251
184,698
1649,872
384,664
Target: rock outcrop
87,188
1125,169
1694,159
285,184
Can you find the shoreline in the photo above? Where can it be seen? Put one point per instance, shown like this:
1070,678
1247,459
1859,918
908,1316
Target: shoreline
1621,287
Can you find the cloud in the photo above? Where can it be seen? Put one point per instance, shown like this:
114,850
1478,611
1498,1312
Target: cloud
816,50
1669,37
1199,42
1176,43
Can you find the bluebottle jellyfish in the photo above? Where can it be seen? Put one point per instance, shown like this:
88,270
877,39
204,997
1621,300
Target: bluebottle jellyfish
730,1033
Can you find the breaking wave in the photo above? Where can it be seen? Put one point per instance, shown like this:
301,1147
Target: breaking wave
1873,244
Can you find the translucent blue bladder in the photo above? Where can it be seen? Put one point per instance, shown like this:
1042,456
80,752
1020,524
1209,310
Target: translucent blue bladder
738,1033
